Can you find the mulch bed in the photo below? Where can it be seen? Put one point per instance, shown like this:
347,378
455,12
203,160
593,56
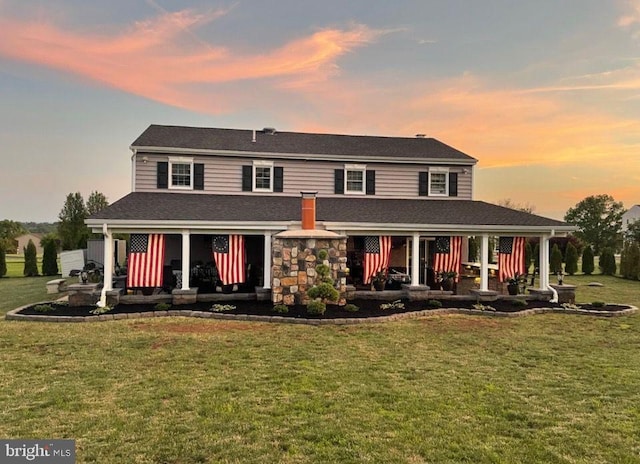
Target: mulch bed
367,308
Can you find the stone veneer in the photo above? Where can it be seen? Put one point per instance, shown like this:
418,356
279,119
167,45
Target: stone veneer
293,270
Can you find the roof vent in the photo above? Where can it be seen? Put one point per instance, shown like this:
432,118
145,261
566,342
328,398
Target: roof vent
269,130
421,136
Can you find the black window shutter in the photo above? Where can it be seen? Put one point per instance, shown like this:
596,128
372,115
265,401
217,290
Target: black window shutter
371,183
247,174
163,175
453,184
339,181
198,176
423,184
278,179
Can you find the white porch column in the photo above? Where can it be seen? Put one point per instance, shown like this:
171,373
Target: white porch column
415,260
484,263
544,262
267,260
186,259
107,283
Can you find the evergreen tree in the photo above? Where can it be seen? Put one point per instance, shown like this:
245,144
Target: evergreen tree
3,262
50,255
536,256
555,260
71,229
633,261
607,262
30,260
624,261
571,259
473,249
587,260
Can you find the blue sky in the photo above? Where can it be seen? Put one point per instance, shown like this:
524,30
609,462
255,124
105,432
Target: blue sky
545,94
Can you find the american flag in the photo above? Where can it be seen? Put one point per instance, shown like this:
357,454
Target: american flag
228,253
448,255
376,255
510,257
146,260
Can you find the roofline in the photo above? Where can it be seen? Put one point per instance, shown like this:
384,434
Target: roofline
305,156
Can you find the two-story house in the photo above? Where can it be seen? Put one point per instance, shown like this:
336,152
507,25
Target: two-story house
192,186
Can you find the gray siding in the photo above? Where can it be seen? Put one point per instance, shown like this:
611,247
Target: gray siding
223,175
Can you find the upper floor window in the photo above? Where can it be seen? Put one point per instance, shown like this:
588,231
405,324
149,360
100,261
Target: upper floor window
438,182
262,176
355,178
181,173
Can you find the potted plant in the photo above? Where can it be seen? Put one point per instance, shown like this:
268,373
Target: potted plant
514,283
447,280
379,281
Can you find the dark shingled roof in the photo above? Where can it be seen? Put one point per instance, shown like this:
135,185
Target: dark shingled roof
150,206
238,140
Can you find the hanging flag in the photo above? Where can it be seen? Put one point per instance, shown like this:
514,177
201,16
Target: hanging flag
510,257
448,255
146,260
228,253
376,256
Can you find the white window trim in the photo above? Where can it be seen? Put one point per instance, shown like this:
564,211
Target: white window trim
180,160
262,164
446,181
355,167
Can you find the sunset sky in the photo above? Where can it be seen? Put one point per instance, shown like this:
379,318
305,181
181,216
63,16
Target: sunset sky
545,93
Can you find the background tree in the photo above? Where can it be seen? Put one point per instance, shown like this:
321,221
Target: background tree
30,260
3,262
633,261
607,262
525,207
71,229
9,230
555,260
587,261
96,203
633,231
49,244
599,221
571,259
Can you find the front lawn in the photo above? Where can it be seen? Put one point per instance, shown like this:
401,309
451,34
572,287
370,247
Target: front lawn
547,388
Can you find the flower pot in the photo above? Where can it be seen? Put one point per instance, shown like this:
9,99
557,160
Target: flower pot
379,285
447,285
512,289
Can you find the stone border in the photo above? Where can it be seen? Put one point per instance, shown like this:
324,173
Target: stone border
14,316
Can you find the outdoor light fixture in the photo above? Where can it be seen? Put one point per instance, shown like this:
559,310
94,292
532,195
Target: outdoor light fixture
560,276
145,159
84,277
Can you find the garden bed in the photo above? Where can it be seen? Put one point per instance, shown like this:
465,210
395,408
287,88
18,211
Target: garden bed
366,308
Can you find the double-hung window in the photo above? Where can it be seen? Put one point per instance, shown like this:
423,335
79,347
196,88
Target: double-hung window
354,178
438,182
180,173
263,176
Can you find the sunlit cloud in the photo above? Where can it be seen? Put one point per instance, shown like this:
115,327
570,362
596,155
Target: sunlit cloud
151,58
632,16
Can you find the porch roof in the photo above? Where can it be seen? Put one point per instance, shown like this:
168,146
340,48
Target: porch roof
153,207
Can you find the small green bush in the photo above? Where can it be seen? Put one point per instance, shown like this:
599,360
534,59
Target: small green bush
322,255
43,308
324,291
351,308
50,256
519,303
316,307
598,304
101,310
281,309
587,261
30,260
434,304
162,306
555,260
571,259
607,262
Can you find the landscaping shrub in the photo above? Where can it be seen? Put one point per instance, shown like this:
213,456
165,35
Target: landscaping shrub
607,262
473,249
633,261
519,303
536,256
394,305
218,308
587,260
324,291
555,260
3,262
571,259
49,256
43,308
528,257
434,304
351,308
162,306
624,260
30,260
598,304
316,307
281,309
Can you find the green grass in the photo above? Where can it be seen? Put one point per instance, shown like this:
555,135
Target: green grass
450,389
15,265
